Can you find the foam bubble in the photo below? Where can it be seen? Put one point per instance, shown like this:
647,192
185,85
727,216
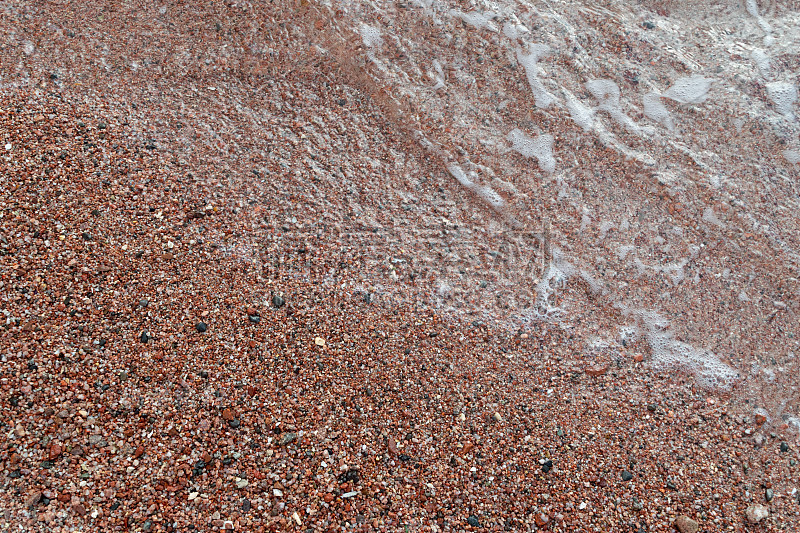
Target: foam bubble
792,156
543,99
371,36
783,95
581,114
540,147
655,110
477,19
606,92
761,59
689,90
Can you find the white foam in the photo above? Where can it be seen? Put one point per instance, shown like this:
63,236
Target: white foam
689,90
543,99
477,19
669,353
540,147
606,92
761,59
655,110
783,95
581,114
371,36
710,217
792,156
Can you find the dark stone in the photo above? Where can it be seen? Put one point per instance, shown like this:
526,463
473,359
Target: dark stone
651,407
648,25
15,474
547,466
473,521
254,319
45,501
147,526
228,459
145,338
14,401
86,236
246,505
277,301
626,476
234,423
350,475
403,457
115,506
671,485
203,374
769,494
784,447
341,101
105,387
201,327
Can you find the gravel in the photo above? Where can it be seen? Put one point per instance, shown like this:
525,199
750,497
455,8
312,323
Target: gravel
191,189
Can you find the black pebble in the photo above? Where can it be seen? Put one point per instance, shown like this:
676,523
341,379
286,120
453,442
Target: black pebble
201,327
547,466
234,423
254,319
473,521
115,506
648,25
626,476
15,474
45,501
784,447
86,236
277,301
144,337
350,475
403,457
246,505
203,374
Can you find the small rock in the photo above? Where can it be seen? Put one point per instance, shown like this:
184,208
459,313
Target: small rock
139,452
547,466
234,423
784,447
227,525
686,524
760,419
144,337
596,370
254,319
79,509
203,374
201,327
769,494
193,495
541,519
756,513
277,493
278,301
123,376
228,414
319,341
296,518
246,505
473,521
626,476
33,500
242,483
648,25
55,452
392,446
350,494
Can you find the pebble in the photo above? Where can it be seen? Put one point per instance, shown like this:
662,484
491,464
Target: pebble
769,494
473,521
278,301
350,494
756,513
686,524
246,505
201,327
242,483
784,447
144,337
626,476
